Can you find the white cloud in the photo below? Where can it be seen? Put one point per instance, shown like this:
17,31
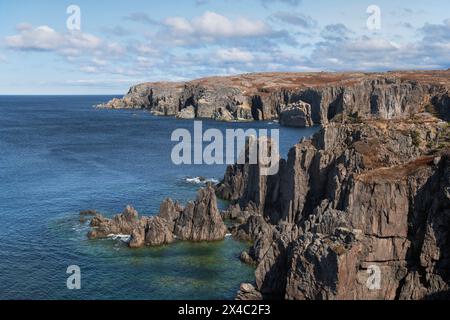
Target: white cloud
215,26
40,38
234,55
44,38
342,50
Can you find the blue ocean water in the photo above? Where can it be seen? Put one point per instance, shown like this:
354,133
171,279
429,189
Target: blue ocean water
58,155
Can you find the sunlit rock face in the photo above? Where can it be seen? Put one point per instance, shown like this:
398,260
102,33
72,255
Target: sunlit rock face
296,99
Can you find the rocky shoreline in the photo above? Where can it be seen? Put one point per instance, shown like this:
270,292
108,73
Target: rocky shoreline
296,99
370,191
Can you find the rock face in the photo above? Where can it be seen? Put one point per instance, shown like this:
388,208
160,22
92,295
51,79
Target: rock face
201,220
198,221
296,114
247,292
266,96
361,211
187,113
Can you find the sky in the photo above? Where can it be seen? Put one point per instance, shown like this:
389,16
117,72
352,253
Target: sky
116,44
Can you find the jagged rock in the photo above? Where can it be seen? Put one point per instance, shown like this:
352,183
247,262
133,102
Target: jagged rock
124,224
201,220
187,113
248,184
296,114
137,238
246,258
223,115
235,213
198,221
158,232
170,211
251,229
248,292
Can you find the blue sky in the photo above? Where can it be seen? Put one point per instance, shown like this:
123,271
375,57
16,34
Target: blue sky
126,42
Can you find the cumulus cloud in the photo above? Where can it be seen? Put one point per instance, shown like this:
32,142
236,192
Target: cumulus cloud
215,26
212,44
343,50
44,38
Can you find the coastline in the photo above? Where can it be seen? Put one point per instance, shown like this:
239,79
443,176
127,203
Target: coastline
321,201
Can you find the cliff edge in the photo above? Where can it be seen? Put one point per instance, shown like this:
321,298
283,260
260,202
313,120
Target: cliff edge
296,99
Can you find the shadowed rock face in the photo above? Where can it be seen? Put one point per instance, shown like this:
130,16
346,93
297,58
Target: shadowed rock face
198,221
358,197
268,96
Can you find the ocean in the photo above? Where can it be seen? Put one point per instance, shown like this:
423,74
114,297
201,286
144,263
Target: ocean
58,156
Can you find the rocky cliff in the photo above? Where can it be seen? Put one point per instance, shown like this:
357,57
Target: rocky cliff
360,211
297,99
360,200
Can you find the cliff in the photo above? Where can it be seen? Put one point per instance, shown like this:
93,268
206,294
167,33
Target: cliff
360,211
297,99
358,197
